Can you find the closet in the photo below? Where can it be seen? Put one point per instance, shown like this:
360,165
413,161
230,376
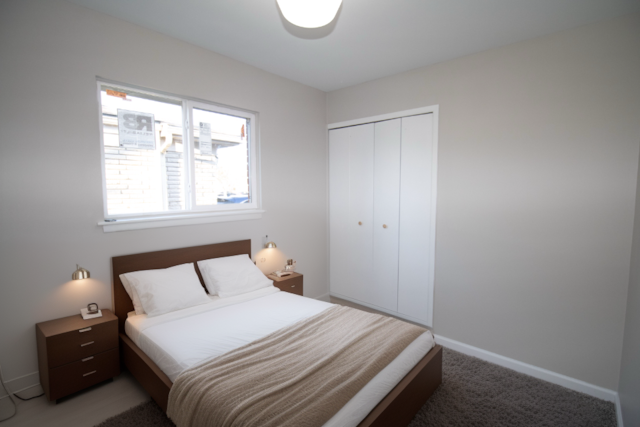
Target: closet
381,215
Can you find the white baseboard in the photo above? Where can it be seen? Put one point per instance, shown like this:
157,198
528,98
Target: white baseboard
22,383
534,371
619,411
324,297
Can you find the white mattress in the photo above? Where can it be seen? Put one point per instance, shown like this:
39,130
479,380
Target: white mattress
182,339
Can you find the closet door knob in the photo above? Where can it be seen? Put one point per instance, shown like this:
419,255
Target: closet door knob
359,222
384,225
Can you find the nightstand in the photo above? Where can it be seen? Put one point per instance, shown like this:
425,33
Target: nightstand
291,283
74,353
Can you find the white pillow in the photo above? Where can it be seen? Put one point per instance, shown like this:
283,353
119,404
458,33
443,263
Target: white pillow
137,305
170,289
232,275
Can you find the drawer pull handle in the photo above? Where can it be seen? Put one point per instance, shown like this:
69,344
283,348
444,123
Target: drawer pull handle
87,343
89,373
293,286
87,359
85,330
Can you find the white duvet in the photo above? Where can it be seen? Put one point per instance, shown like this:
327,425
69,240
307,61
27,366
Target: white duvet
181,339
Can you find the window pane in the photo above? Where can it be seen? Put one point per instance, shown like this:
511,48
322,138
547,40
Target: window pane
143,152
221,158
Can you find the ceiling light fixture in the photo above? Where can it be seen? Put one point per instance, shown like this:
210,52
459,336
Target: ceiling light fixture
309,13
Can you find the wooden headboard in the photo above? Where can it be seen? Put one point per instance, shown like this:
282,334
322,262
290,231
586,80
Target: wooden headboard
122,304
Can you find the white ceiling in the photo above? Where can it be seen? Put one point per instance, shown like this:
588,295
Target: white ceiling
368,39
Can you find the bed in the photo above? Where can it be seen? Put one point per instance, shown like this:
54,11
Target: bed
151,347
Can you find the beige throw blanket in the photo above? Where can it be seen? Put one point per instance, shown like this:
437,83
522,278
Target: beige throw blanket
298,376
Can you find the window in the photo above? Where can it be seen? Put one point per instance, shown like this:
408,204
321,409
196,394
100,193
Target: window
167,158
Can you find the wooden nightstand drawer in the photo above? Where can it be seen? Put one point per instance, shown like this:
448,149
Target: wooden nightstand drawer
78,375
292,284
81,343
294,288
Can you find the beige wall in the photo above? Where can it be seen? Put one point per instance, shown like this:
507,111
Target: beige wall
629,389
51,53
538,155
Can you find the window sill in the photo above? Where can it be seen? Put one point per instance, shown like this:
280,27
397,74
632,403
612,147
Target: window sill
181,219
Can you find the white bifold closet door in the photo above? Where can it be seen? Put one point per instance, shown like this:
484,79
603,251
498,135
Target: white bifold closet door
416,257
386,214
351,210
381,207
360,227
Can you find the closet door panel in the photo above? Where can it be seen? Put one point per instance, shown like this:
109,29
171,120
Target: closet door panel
339,211
386,214
416,267
361,211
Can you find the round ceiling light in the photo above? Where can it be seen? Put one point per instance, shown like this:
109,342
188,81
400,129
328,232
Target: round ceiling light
309,13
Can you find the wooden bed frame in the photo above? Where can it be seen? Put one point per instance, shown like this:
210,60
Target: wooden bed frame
396,409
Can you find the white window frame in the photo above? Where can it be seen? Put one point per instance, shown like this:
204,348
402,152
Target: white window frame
192,214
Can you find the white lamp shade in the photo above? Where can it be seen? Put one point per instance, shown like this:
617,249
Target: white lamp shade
309,13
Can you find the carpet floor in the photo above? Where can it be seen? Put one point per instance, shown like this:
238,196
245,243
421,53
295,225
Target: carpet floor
473,393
